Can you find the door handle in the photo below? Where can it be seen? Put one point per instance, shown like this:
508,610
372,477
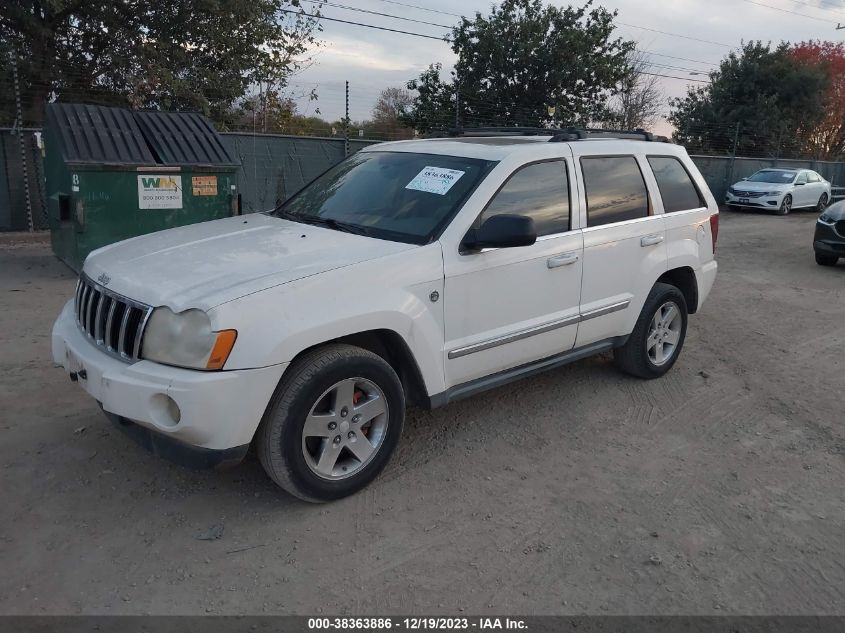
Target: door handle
566,259
651,240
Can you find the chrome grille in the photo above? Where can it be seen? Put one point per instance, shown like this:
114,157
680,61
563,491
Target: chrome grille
112,322
749,194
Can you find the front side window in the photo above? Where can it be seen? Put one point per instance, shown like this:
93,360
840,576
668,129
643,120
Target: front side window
813,177
540,191
802,179
615,189
675,185
400,196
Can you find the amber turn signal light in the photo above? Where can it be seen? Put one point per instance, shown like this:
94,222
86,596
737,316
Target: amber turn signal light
222,348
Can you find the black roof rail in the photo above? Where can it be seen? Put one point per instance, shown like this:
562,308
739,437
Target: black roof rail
558,135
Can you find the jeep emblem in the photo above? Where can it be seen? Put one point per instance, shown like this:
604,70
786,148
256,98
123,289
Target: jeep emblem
104,279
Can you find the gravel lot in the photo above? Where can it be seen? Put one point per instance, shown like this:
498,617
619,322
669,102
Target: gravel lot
717,489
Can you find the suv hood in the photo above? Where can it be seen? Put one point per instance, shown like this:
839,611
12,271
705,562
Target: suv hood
206,264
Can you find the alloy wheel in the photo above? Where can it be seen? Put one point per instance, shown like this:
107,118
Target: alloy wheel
664,333
345,428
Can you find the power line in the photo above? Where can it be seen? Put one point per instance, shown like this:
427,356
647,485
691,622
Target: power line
686,37
385,15
803,15
683,59
414,6
373,26
699,81
633,26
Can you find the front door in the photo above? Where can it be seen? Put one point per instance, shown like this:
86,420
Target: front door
510,306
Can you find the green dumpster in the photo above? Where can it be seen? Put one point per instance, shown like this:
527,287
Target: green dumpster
114,173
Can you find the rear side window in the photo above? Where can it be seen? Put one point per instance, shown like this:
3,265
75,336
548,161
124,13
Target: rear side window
540,191
676,187
615,189
813,176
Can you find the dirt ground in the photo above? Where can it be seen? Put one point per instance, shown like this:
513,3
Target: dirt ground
717,489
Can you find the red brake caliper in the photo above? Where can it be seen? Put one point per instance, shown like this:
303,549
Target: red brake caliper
356,397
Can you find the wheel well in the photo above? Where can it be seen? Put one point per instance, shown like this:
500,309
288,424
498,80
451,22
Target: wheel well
392,348
684,280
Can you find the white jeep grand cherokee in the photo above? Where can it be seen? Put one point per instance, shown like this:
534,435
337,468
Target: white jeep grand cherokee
418,271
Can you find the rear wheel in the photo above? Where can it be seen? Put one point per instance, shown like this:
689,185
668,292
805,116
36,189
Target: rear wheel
822,204
658,335
332,424
826,260
785,205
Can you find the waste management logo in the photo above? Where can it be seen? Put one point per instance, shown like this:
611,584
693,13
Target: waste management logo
159,192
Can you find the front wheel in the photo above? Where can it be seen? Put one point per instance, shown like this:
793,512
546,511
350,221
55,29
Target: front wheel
658,335
785,205
332,423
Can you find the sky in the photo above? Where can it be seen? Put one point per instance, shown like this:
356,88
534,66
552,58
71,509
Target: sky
701,32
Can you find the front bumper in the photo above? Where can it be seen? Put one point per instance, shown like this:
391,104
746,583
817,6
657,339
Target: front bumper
763,202
827,241
209,411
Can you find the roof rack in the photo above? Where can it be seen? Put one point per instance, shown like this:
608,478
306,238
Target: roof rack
558,135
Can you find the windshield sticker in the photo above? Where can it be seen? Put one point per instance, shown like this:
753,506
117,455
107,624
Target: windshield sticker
435,180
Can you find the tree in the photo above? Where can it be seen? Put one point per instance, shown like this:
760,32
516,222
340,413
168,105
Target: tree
827,139
639,100
388,113
760,96
182,54
519,61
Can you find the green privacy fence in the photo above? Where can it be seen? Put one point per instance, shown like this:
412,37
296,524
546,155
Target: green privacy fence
273,167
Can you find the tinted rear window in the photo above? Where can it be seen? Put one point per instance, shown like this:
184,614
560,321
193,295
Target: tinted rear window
615,189
676,186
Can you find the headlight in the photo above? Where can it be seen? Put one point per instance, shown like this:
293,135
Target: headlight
186,340
774,193
824,218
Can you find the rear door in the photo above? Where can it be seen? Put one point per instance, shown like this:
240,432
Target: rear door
803,191
624,238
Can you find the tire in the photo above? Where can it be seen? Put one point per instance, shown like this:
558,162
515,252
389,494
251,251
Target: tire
826,260
638,356
822,204
785,205
311,460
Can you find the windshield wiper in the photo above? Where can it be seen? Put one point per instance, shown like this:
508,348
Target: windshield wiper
316,220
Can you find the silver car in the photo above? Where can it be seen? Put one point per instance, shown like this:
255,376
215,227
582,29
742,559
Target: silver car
781,190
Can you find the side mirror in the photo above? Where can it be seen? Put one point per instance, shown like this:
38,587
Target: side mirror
800,184
745,178
501,231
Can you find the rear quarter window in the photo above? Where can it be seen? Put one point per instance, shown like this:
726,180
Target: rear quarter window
677,189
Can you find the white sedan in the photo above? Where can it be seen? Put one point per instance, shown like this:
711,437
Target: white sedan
782,190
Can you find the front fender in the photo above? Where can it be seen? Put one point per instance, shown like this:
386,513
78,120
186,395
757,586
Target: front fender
392,293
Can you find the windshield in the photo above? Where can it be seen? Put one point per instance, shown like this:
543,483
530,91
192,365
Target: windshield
398,196
772,175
